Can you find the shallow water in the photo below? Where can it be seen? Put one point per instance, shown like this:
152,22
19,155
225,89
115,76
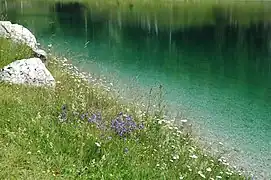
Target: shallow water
218,75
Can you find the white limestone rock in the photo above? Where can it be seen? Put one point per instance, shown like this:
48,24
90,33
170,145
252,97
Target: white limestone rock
20,34
27,71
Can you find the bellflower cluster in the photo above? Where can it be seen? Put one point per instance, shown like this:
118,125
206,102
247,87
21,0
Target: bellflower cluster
125,124
122,125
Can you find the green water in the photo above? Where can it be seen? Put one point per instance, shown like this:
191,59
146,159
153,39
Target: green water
217,75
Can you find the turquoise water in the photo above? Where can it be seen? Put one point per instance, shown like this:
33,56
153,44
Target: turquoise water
218,76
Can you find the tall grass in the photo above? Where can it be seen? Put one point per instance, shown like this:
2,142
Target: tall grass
80,131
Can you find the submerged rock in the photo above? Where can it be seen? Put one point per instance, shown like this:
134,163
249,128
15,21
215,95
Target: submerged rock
27,71
20,34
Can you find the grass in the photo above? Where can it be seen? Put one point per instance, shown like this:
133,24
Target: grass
10,51
173,15
76,131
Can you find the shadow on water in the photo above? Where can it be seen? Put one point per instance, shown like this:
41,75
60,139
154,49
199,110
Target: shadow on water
219,73
69,15
222,43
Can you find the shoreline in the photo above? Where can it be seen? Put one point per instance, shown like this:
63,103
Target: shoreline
210,145
208,142
167,129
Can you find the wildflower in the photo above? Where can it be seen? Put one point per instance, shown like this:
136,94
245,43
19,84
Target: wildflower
178,135
29,153
130,122
126,150
225,163
161,121
176,157
179,132
63,114
218,177
83,116
229,173
123,124
38,116
194,156
99,117
181,177
202,175
109,137
209,169
92,118
97,144
141,126
51,145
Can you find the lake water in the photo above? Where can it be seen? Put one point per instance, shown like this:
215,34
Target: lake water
215,71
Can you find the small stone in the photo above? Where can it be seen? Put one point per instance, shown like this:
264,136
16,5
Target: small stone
39,53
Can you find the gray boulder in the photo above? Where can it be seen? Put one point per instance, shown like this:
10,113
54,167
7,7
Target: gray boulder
27,71
20,34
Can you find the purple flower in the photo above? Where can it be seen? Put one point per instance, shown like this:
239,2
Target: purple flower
123,125
126,150
99,117
64,107
92,119
141,126
129,118
83,116
63,114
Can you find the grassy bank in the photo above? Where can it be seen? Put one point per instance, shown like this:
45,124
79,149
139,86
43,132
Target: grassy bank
172,14
80,131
